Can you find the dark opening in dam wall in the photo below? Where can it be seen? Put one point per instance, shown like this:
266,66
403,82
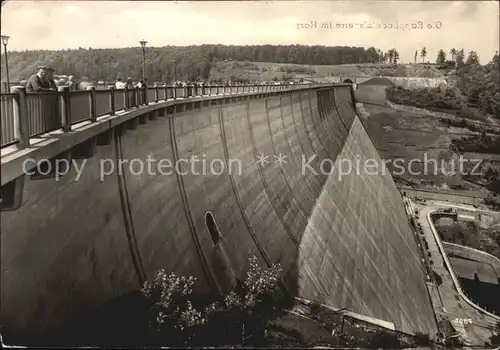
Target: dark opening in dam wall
343,241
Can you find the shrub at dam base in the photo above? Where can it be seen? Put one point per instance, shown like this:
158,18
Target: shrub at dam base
238,318
256,313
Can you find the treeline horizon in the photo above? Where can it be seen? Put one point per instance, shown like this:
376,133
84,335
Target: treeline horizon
191,62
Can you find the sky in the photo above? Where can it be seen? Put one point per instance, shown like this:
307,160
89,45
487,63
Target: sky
471,25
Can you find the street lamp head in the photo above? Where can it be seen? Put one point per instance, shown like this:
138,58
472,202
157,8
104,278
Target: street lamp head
143,43
5,39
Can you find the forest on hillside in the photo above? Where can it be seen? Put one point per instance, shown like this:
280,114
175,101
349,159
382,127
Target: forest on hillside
191,62
478,86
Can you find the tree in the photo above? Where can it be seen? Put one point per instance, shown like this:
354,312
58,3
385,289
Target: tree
441,57
472,58
415,56
191,61
390,55
495,59
396,57
393,56
453,53
386,57
459,58
241,315
423,54
371,55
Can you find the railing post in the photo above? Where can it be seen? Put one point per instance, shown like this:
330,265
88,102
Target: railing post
136,95
174,92
65,108
22,118
126,98
217,90
112,107
157,97
165,87
145,97
92,107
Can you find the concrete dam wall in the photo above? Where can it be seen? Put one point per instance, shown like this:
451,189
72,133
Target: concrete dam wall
341,240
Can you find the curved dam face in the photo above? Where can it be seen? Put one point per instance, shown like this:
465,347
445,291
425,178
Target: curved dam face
342,239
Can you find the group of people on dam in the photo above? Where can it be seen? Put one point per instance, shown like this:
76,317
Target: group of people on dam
45,80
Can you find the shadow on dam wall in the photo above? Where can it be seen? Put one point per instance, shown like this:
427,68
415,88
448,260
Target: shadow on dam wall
344,242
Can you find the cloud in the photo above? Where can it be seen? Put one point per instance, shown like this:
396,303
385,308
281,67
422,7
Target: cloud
100,24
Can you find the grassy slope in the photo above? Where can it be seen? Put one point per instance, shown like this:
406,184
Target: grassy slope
408,135
265,71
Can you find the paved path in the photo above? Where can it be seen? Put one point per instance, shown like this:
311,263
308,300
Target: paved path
474,326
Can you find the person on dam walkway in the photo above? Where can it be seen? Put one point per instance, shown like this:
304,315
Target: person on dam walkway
39,82
119,85
50,78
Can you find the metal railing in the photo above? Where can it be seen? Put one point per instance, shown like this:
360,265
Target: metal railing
24,115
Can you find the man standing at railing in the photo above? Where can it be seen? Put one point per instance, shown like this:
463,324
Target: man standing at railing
71,83
119,84
129,83
50,78
141,84
38,82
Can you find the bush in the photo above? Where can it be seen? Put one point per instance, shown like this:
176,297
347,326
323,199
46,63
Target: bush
315,307
385,340
422,339
239,318
453,343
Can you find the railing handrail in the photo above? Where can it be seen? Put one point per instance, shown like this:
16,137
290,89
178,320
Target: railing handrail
7,94
152,87
74,106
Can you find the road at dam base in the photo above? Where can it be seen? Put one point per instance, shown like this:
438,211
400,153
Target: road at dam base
344,242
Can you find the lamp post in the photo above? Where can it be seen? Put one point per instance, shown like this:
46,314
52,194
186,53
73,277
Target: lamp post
173,72
143,44
5,40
